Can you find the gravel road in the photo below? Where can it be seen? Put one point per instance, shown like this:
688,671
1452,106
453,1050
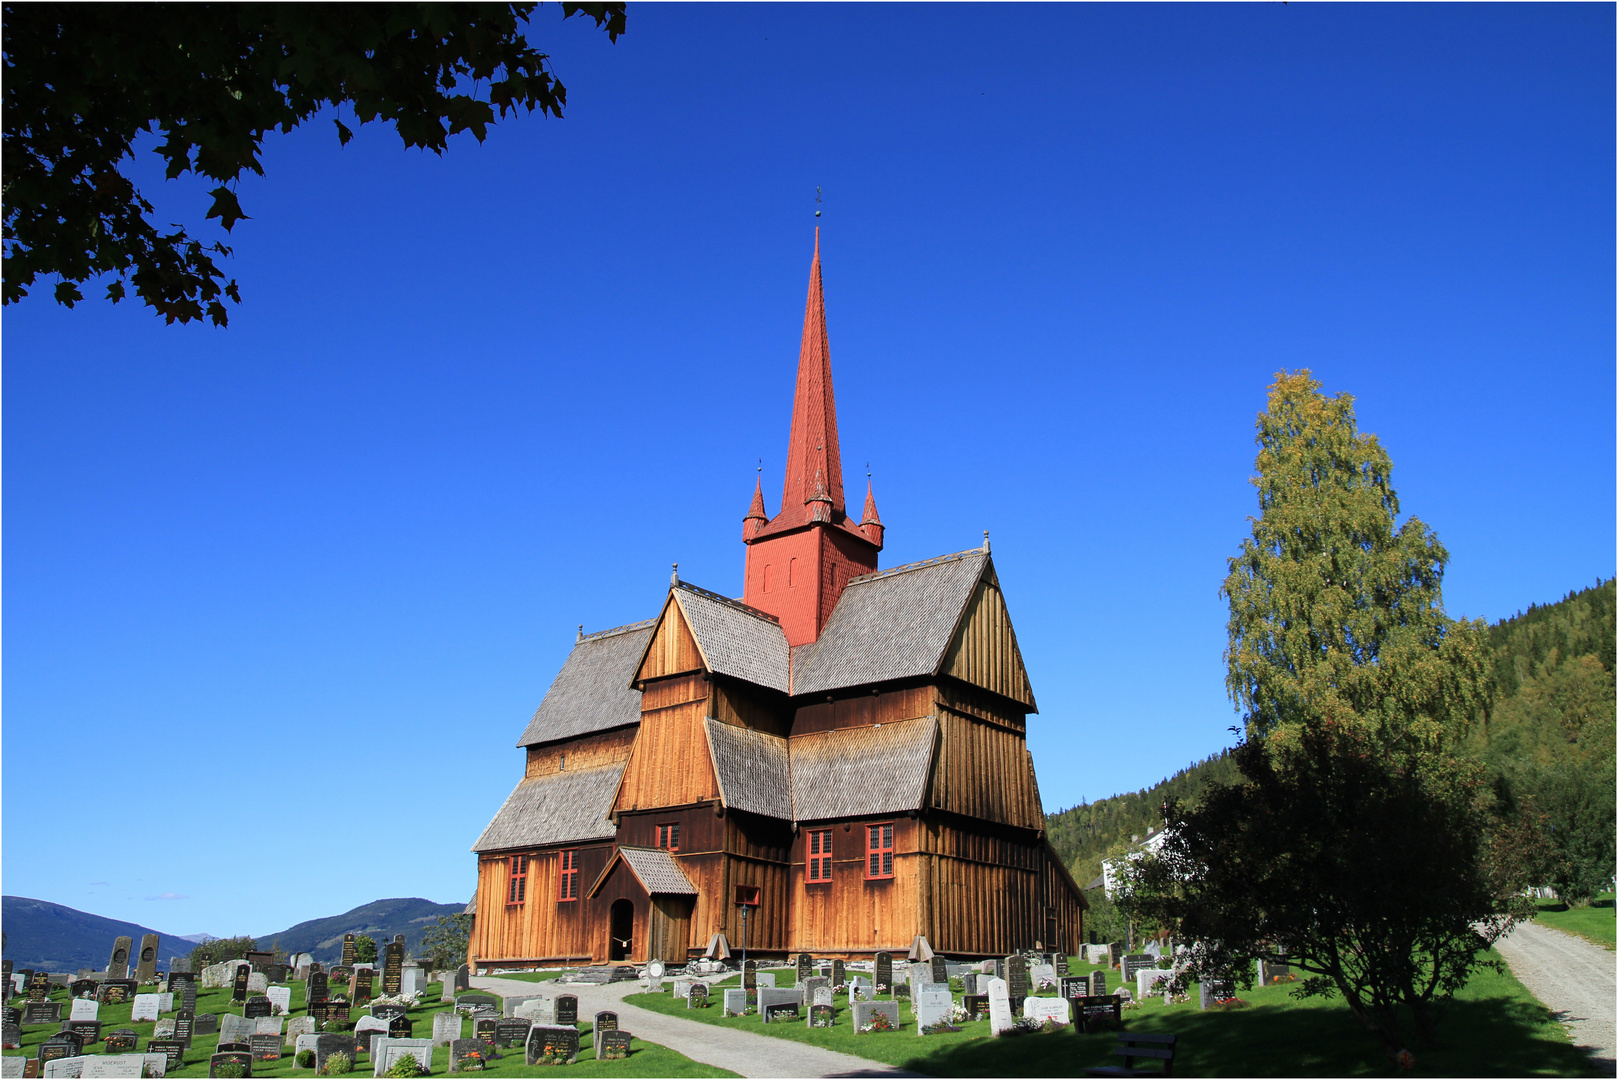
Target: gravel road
1577,980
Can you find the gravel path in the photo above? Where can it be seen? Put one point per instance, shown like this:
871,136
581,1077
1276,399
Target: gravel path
1577,981
739,1051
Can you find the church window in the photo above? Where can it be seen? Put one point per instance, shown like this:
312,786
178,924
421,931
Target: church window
879,850
668,837
820,855
792,573
517,885
767,576
568,886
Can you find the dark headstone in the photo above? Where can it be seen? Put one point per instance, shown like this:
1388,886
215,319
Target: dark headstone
781,1011
206,1024
188,996
255,1007
612,1043
463,979
13,1015
118,963
146,965
388,1012
30,1069
237,1059
696,998
41,1012
238,986
1061,963
233,1048
39,986
10,1035
822,1016
176,978
1073,986
185,1023
750,975
393,968
977,1006
839,973
314,988
116,991
554,1041
172,1049
883,975
5,976
1133,963
82,987
940,971
1098,984
1115,952
327,1045
277,973
567,1008
350,958
265,1047
51,1049
487,1029
330,1010
259,960
467,1055
606,1021
510,1031
87,1030
805,966
400,1027
360,986
1016,982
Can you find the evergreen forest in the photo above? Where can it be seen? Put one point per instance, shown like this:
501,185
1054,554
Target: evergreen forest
1548,741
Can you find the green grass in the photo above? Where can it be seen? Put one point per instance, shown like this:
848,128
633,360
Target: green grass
1594,922
645,1059
532,976
1493,1028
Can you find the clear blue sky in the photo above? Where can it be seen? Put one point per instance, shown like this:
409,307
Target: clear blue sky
280,599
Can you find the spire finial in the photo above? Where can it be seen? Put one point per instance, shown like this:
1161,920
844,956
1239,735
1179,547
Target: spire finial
817,214
674,578
581,634
985,539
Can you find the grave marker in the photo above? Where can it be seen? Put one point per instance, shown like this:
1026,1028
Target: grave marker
206,1024
144,1009
393,967
567,1006
146,966
696,998
466,1055
327,1045
88,1031
173,1051
612,1044
255,1007
554,1042
865,1010
750,975
280,1000
184,1026
821,1016
1016,981
84,1009
83,987
118,963
447,1027
511,1032
735,1002
349,956
238,984
932,1005
1048,1010
486,1028
39,986
606,1021
839,973
940,970
235,1059
999,1006
265,1047
882,971
805,962
976,1005
41,1012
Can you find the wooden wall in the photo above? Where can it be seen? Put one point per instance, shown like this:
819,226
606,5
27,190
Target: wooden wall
987,894
593,751
852,915
669,765
741,705
673,651
982,771
541,929
864,710
984,652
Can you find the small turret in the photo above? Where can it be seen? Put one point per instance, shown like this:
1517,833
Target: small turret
819,501
870,524
756,517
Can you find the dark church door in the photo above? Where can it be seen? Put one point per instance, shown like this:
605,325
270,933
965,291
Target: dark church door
621,930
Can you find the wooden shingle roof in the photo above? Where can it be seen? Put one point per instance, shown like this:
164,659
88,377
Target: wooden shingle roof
856,772
554,808
753,769
657,871
591,692
894,624
734,639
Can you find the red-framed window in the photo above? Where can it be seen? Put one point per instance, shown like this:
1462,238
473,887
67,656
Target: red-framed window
818,851
668,836
517,883
879,850
567,886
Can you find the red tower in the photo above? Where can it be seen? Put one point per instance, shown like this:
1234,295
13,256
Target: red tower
799,561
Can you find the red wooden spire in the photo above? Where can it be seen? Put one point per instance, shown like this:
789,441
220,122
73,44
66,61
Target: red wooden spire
814,465
756,518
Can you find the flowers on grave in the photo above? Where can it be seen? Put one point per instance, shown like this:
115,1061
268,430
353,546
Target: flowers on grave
879,1022
406,1066
883,988
338,1064
821,1020
958,1013
231,1069
612,1053
1225,1004
1047,984
552,1055
470,1062
941,1027
1128,1004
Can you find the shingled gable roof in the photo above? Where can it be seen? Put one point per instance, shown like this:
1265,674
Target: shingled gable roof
894,624
855,772
657,871
734,639
554,808
753,768
591,692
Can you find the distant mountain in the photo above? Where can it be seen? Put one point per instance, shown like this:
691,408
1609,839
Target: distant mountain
381,919
53,937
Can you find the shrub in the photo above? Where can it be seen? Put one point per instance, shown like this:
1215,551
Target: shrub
406,1066
338,1064
305,1059
231,1069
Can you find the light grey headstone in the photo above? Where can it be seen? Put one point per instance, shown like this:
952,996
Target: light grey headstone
85,1009
541,1010
446,1027
766,978
1095,954
412,982
371,1023
267,1025
1000,1018
385,1053
1043,973
165,1001
1046,1009
113,1065
11,1066
682,988
299,1026
163,1029
735,1002
1146,977
258,982
71,1067
144,1009
822,995
769,995
813,983
864,1010
447,991
280,999
931,1005
233,1028
306,1041
920,975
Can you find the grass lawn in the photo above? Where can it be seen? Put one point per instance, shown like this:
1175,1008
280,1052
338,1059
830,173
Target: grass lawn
1594,921
532,976
1494,1028
645,1059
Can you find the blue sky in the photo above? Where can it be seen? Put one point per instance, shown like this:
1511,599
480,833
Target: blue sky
279,599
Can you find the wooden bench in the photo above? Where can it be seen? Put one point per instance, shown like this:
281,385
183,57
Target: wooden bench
1091,1013
1137,1044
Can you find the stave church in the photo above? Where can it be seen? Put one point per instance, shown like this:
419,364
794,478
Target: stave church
835,763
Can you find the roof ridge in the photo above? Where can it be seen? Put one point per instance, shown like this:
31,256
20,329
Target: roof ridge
922,565
626,628
729,602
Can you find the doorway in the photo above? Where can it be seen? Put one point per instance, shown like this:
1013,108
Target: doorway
621,930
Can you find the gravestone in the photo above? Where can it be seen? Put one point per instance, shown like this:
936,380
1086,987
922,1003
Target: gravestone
821,1016
612,1044
781,1010
1061,964
865,1010
393,967
146,966
682,987
39,986
411,981
173,1051
41,1012
766,978
280,1000
486,1028
188,996
447,1026
805,964
17,1066
349,956
73,1038
567,1007
118,963
361,986
976,1006
277,972
813,983
1073,986
10,1035
920,975
750,975
1212,990
1115,952
1016,981
304,1042
969,984
54,1049
165,1002
510,1031
821,995
940,970
116,991
368,1028
327,1045
255,1007
238,984
257,982
839,973
606,1021
6,968
388,1012
386,1053
882,972
257,960
84,1009
932,1006
538,1009
1042,975
105,1068
1000,1018
184,1026
1048,1010
326,1011
180,963
1132,963
553,1041
83,987
697,998
144,1009
466,1054
1145,979
469,1002
735,1002
268,1025
206,1024
88,1031
1098,984
235,1029
265,1047
401,1027
463,978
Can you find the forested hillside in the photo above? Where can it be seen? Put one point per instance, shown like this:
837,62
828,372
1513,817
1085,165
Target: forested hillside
1548,741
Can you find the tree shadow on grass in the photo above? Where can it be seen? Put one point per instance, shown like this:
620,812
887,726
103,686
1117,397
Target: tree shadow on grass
1487,1037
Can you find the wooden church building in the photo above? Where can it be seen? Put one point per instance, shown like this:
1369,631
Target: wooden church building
841,752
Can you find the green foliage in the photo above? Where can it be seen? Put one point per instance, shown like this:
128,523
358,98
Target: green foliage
305,1059
1104,919
217,950
364,949
338,1064
1356,843
84,82
446,942
231,1069
406,1066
